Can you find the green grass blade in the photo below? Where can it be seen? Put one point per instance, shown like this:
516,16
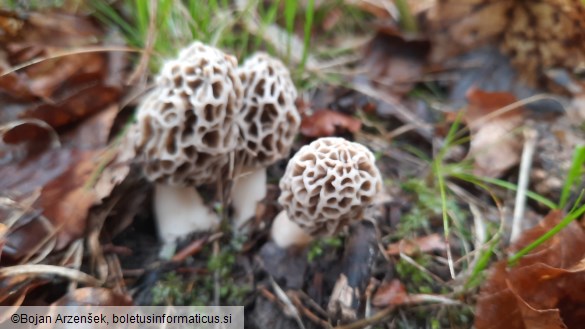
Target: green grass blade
483,262
309,16
142,10
443,191
543,238
573,175
267,17
107,14
290,12
407,21
510,186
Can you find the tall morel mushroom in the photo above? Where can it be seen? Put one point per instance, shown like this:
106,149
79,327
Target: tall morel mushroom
327,185
184,134
268,123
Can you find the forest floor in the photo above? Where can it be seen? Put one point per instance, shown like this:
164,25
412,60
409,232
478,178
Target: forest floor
474,111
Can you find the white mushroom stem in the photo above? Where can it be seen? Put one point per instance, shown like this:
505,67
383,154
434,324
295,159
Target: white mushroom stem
287,234
180,211
248,190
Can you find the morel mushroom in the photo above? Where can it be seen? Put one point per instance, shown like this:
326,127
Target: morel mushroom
327,185
268,123
184,132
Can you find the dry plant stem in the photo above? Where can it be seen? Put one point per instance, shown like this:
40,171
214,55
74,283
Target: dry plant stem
515,105
77,51
450,257
378,317
413,300
530,136
23,207
248,190
77,258
295,298
116,275
285,299
480,237
179,211
98,262
402,113
312,303
412,262
47,270
287,234
192,249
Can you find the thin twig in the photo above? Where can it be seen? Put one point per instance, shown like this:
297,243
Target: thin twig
116,276
64,53
480,232
307,312
368,321
404,114
43,270
530,137
77,259
291,308
412,262
314,305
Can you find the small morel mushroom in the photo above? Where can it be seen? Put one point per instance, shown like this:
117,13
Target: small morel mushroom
184,133
327,185
268,123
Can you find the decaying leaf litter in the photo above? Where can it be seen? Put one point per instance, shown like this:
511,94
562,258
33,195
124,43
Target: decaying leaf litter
452,98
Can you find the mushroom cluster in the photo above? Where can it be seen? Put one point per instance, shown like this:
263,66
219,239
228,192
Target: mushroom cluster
327,185
199,117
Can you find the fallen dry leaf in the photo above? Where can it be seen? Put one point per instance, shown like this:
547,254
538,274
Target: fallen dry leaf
66,199
60,84
79,104
540,319
495,143
14,289
325,123
25,137
391,293
423,244
63,176
94,297
26,236
57,83
543,290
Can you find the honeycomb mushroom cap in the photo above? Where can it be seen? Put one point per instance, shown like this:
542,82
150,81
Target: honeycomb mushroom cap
328,184
268,120
186,125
